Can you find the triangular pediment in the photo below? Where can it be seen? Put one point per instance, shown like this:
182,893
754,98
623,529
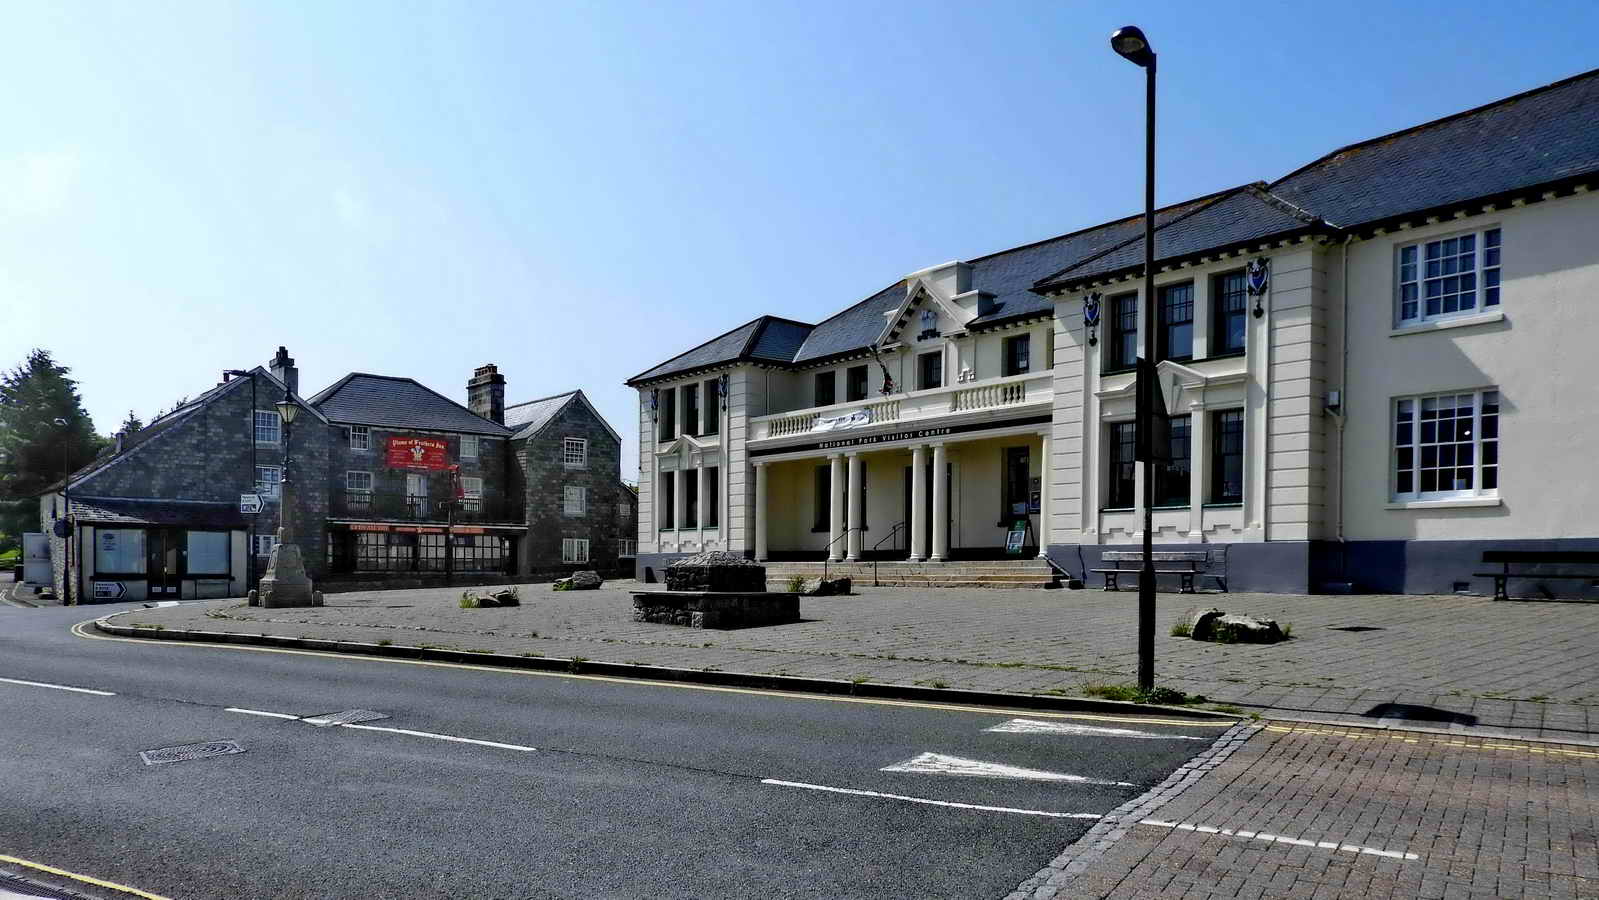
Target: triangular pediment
919,295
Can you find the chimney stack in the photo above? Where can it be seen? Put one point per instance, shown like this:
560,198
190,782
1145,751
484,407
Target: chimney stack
485,393
282,368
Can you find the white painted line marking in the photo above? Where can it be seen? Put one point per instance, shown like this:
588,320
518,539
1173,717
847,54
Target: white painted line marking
258,712
951,804
443,737
1280,839
59,687
1033,726
940,764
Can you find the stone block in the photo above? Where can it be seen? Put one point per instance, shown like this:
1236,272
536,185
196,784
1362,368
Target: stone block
716,570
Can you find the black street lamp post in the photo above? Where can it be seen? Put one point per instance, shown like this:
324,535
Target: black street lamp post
285,582
1129,42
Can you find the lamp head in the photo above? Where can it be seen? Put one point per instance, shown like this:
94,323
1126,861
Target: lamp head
1129,43
288,410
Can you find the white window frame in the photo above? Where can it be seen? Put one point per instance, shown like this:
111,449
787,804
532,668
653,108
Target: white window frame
626,509
352,481
575,453
360,438
268,487
1413,272
574,550
272,423
626,548
263,544
469,440
1417,445
577,493
471,487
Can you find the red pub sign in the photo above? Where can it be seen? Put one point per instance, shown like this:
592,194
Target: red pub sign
417,453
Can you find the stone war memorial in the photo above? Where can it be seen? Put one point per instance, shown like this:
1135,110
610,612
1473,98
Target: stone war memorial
716,589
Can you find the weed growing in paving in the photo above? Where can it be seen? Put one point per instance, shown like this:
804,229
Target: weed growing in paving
1182,629
795,584
384,642
1132,693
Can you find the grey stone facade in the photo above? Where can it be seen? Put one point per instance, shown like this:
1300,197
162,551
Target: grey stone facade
544,477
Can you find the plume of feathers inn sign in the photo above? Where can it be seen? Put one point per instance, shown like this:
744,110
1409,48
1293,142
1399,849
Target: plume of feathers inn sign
422,454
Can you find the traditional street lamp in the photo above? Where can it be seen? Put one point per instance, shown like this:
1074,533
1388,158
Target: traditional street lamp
285,582
66,515
1129,43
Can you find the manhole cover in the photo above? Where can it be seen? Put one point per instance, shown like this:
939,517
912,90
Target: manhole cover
1355,627
347,717
189,751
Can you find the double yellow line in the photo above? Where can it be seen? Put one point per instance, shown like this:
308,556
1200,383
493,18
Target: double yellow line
86,879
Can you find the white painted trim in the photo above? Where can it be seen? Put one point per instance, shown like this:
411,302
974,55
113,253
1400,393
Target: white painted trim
1451,503
1489,318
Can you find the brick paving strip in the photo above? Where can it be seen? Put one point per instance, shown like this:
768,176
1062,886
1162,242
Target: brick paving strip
1528,670
1295,810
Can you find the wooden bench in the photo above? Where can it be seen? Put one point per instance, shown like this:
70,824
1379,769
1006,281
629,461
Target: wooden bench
1524,559
1186,564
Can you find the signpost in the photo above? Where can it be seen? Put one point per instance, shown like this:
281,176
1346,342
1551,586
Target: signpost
1017,535
109,590
250,504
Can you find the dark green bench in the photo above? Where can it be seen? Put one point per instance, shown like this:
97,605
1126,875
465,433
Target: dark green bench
1186,564
1524,560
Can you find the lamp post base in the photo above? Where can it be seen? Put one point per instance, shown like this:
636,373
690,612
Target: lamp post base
285,582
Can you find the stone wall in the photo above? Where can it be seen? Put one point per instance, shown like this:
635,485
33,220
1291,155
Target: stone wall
545,476
490,465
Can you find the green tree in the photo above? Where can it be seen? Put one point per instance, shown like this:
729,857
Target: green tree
130,424
35,452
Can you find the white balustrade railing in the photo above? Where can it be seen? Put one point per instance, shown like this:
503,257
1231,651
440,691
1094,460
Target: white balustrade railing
915,406
988,396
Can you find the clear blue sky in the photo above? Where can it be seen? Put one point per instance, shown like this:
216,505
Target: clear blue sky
578,192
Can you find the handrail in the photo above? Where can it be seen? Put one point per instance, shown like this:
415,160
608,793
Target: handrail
827,552
892,533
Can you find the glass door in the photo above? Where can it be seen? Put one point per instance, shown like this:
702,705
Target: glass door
164,560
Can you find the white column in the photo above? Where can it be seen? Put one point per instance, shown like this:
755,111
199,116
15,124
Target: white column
1198,465
760,512
940,505
835,510
854,539
918,522
680,504
1043,495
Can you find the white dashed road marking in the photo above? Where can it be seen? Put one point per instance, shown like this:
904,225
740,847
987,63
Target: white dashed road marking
940,764
59,687
860,793
257,712
443,737
1033,726
1279,839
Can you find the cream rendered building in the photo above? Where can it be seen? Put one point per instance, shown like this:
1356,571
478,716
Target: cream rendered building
1374,367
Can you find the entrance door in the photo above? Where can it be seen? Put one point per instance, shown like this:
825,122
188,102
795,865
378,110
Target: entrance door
416,494
164,560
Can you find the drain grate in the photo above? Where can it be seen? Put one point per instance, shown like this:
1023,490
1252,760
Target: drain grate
348,717
189,751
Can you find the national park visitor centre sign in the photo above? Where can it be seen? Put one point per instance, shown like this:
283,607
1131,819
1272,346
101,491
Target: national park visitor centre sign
918,434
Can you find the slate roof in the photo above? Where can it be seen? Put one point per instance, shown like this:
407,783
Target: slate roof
1534,138
389,402
767,338
529,418
133,511
1239,216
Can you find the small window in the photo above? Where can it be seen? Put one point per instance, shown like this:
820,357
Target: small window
1229,318
267,479
1176,333
1018,353
360,437
268,427
691,408
691,498
1172,481
575,453
624,510
576,503
930,370
666,416
713,487
1122,352
119,551
1227,457
469,446
713,408
358,482
1446,446
824,388
574,550
1448,277
265,542
666,510
207,553
1123,471
856,376
471,487
627,548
